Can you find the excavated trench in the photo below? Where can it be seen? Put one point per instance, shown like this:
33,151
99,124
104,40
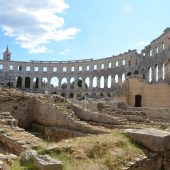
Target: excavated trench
47,117
51,120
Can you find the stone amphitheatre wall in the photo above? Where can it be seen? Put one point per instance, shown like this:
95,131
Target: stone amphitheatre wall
152,95
102,77
91,72
154,64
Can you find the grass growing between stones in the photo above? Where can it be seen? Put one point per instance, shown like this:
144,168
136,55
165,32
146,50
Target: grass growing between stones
17,166
100,152
95,152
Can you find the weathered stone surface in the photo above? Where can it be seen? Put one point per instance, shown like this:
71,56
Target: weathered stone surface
154,139
44,162
54,148
27,156
148,163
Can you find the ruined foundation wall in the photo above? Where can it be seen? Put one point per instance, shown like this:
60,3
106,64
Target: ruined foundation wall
47,111
18,105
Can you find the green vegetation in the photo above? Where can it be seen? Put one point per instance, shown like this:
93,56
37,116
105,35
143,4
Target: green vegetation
17,166
107,152
101,152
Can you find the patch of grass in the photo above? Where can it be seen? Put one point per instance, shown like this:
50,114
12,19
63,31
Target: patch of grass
97,151
121,144
16,166
108,161
100,152
108,152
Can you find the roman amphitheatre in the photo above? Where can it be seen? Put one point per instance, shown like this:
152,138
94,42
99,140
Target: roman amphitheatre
107,114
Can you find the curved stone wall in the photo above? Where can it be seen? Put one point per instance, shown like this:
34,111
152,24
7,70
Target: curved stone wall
103,77
154,66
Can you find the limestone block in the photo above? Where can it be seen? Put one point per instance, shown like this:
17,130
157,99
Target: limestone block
154,139
27,156
45,162
54,148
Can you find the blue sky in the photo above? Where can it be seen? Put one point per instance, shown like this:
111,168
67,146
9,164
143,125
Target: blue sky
79,29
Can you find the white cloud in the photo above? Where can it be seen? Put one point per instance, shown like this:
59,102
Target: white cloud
65,51
128,8
34,23
142,43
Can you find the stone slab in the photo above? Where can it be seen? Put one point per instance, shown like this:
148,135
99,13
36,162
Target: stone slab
45,162
154,139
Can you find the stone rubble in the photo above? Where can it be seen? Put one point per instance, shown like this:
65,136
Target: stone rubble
42,162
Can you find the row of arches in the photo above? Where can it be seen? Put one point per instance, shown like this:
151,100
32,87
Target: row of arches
156,73
100,82
27,84
82,96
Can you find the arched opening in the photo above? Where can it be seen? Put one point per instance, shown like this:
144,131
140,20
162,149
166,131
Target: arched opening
102,82
129,74
123,77
86,94
64,83
109,81
116,78
35,82
54,82
138,101
19,68
72,82
101,94
87,82
143,73
54,92
150,74
44,82
79,82
19,82
71,95
94,82
27,82
163,71
136,72
63,94
157,73
78,96
108,94
9,84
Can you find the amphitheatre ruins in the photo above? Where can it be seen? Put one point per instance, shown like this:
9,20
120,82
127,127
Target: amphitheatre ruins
87,114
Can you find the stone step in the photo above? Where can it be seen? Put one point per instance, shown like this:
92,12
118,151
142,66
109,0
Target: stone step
5,114
6,117
8,121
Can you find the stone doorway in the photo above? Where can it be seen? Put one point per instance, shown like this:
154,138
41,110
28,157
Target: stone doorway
138,101
19,82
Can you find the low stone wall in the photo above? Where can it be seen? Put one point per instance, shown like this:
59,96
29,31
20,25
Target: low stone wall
54,133
12,145
49,111
153,162
96,117
155,140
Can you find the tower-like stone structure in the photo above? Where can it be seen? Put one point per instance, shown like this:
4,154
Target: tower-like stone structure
6,55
